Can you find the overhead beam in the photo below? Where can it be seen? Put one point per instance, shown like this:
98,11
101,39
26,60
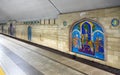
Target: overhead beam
54,6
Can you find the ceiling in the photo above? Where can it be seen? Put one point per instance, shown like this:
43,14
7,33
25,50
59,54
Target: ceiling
45,9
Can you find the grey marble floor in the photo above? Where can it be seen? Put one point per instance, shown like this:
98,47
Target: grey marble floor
19,58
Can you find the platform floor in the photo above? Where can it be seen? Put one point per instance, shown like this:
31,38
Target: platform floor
19,58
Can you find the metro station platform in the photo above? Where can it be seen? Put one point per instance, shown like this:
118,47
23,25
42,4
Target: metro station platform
20,58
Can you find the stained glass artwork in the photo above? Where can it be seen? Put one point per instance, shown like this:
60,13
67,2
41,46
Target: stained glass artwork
88,39
115,22
64,23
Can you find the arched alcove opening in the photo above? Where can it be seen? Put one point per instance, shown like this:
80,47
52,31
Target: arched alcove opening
2,28
29,33
11,29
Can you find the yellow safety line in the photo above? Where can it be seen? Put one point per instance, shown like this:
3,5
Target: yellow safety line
1,71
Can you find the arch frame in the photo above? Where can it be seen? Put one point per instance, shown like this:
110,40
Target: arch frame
87,19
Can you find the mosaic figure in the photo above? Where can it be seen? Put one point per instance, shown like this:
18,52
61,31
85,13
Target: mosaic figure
88,39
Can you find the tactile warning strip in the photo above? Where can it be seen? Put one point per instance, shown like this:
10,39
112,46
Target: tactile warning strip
1,71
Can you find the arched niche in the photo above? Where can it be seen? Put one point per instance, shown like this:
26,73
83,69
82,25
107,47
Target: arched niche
11,29
29,33
87,38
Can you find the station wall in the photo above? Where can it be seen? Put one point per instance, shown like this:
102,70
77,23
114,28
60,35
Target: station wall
56,34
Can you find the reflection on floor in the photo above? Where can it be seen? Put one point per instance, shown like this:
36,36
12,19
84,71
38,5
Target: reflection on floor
18,58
